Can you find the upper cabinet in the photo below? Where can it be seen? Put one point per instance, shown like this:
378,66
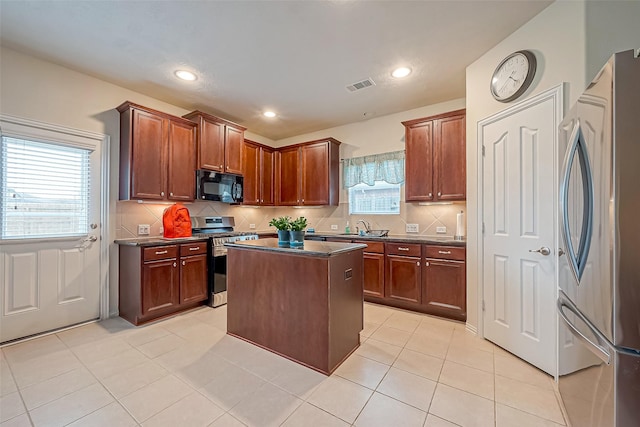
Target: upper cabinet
436,158
308,173
259,174
157,155
220,143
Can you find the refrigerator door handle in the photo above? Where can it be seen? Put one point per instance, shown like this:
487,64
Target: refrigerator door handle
601,348
578,260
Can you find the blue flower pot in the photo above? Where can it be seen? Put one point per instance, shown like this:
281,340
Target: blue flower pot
283,238
297,238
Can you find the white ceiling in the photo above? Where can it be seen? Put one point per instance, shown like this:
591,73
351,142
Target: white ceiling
295,57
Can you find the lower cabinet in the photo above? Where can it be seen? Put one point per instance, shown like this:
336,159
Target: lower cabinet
160,280
444,287
373,268
402,282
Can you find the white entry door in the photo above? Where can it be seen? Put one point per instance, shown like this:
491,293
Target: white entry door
50,272
519,215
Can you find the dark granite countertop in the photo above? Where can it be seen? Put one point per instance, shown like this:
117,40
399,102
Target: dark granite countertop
157,240
398,238
310,247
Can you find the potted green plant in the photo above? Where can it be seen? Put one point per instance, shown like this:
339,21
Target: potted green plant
297,231
283,225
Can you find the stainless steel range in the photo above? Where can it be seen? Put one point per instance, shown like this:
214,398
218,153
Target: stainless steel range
220,231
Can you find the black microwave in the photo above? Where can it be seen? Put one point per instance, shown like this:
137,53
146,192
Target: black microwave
219,187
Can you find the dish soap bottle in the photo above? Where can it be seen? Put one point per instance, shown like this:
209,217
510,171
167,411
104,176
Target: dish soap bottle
347,230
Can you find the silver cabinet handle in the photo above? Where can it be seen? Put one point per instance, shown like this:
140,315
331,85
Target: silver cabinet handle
542,251
426,263
161,252
221,166
194,249
418,263
403,249
439,194
162,193
444,252
430,195
184,263
175,265
171,194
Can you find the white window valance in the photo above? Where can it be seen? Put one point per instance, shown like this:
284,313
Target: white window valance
388,167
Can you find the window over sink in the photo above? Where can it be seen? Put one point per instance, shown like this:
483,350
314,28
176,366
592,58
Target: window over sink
380,198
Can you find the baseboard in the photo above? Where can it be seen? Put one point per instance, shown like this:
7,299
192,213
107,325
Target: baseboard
471,328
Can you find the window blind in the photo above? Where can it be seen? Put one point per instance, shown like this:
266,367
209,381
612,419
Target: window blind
45,189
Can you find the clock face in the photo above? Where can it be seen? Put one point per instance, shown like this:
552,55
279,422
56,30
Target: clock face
513,76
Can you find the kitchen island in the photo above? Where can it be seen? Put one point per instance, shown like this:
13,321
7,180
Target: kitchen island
305,304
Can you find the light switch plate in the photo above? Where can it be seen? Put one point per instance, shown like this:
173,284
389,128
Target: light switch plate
411,228
252,226
334,227
144,229
441,230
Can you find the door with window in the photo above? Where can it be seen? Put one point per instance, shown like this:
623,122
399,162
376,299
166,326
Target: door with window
50,207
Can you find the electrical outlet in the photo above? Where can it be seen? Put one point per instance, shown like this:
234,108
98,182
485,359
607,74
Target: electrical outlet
334,227
252,226
144,229
441,230
411,228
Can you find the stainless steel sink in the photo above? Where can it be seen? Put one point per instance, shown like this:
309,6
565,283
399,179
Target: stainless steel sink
376,233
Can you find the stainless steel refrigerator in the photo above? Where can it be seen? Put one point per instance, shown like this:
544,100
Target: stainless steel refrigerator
599,261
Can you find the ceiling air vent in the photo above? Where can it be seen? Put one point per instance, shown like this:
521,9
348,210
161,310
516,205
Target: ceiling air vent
361,85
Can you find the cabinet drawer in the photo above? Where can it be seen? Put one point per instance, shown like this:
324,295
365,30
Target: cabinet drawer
160,252
193,248
445,252
403,249
373,247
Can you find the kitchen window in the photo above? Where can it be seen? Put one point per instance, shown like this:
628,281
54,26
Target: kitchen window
45,189
374,183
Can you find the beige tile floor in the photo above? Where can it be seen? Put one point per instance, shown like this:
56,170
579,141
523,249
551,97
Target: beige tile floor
411,370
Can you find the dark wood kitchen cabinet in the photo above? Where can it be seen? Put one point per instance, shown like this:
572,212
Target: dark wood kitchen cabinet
436,158
157,155
373,268
444,281
259,169
160,280
403,274
308,173
220,143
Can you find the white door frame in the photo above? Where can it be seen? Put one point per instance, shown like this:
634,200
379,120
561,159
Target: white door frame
33,127
556,93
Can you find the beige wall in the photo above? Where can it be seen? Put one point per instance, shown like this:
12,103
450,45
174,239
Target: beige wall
571,40
39,90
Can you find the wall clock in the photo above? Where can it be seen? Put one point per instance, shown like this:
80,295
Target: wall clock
513,76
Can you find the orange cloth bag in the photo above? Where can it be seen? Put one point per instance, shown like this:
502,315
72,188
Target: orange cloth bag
176,222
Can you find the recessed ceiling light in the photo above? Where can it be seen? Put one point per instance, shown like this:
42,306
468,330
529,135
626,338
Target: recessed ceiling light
269,114
401,72
186,75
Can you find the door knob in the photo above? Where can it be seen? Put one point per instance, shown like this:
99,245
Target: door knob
560,252
543,250
93,226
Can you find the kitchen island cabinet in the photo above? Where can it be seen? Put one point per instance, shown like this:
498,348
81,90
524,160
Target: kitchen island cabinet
304,304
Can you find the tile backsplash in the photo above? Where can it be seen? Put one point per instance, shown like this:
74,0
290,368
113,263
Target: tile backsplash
428,217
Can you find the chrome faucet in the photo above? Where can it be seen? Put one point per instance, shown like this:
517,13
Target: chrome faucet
367,226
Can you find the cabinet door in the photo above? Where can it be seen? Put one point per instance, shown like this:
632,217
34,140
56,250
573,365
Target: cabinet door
160,286
450,158
233,147
444,287
181,182
315,174
211,146
148,166
403,278
419,162
193,279
267,175
289,177
374,274
251,174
